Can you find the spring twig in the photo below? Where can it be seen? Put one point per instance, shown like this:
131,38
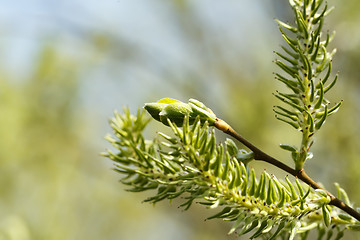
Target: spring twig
300,174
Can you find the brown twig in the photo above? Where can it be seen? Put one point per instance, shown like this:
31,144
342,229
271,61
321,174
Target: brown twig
300,174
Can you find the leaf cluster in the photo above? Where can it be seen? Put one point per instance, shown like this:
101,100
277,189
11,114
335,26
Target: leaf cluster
191,165
307,67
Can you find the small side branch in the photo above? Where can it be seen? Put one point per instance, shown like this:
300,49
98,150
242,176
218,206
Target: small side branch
300,174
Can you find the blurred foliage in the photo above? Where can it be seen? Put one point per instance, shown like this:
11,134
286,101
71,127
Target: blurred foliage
54,185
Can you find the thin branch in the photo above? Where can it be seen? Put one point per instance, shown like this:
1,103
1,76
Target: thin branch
300,174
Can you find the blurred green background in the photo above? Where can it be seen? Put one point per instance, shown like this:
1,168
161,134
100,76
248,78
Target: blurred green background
66,65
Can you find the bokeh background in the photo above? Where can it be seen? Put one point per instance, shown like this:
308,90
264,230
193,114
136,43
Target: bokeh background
65,66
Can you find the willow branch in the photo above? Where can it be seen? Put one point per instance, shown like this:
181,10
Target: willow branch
300,174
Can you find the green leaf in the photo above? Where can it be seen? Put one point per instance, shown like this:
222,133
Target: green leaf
327,75
326,215
289,70
339,236
320,16
288,147
332,84
237,223
335,108
355,227
252,188
321,96
271,195
250,227
263,225
294,196
226,168
293,124
286,26
342,194
221,213
260,186
238,180
293,85
321,121
168,138
294,229
302,24
282,198
263,190
278,230
292,61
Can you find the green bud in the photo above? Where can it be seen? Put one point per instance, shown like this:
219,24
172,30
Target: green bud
154,109
201,110
175,112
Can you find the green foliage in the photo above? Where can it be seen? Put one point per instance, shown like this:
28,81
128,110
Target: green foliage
307,65
192,165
